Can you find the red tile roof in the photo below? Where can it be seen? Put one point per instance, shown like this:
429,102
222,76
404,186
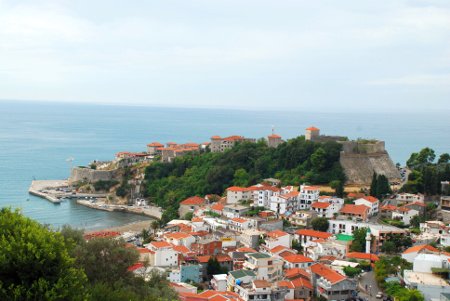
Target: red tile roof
312,128
274,136
246,250
320,205
354,209
193,200
239,220
278,249
313,233
420,248
217,207
389,207
360,255
276,234
370,199
327,273
297,258
177,235
160,244
155,144
236,188
135,267
296,272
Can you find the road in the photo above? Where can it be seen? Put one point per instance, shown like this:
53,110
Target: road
368,286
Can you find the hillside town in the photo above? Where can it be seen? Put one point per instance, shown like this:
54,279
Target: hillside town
271,241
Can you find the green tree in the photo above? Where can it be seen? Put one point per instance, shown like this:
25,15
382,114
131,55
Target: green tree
188,216
213,267
338,187
373,185
106,260
444,158
320,224
383,186
388,247
352,272
359,240
241,178
318,159
35,263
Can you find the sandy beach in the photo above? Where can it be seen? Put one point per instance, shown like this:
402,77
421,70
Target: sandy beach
133,227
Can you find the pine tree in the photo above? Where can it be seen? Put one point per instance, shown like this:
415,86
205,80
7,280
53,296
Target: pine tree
373,185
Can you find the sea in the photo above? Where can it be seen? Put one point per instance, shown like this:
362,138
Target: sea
37,138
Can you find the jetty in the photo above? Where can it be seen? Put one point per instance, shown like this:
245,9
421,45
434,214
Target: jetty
56,191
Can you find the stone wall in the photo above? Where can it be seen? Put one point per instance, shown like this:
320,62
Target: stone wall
92,175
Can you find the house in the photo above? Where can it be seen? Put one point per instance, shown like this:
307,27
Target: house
235,210
236,194
330,284
411,253
425,275
274,140
209,295
186,273
207,247
320,248
260,290
240,224
264,266
250,238
181,287
154,148
305,235
285,203
298,289
180,239
402,198
296,261
242,276
278,238
225,262
355,212
302,218
371,202
190,205
263,193
308,195
219,144
217,208
219,282
163,254
404,214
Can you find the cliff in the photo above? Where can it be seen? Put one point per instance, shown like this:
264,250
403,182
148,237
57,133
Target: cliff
360,159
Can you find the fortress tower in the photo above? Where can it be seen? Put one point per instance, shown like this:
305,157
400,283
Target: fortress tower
312,133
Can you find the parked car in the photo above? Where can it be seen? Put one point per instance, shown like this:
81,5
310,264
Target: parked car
379,295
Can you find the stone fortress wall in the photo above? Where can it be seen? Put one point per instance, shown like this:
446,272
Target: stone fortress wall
92,175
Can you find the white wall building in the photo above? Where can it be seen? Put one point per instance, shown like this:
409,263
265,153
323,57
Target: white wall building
308,195
371,202
278,238
236,194
163,254
219,282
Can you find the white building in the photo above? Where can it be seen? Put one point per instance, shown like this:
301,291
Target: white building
236,194
262,194
180,239
264,266
278,238
284,203
163,254
371,202
404,214
308,195
240,224
219,282
297,261
327,206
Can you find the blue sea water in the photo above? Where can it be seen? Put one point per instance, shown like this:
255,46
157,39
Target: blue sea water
37,138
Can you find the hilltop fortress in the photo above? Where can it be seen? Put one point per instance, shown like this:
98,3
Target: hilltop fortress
360,158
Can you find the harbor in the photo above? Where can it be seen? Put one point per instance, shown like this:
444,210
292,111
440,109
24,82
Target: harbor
57,191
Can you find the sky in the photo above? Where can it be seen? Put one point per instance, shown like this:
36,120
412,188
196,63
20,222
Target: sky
347,55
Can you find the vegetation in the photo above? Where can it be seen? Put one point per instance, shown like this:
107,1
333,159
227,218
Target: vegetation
296,161
389,266
359,240
39,264
426,173
105,185
213,267
379,187
320,224
35,263
396,243
403,294
338,187
352,272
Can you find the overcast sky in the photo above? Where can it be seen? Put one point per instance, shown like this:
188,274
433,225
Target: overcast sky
287,54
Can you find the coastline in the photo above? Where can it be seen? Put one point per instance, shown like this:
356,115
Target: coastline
151,211
129,227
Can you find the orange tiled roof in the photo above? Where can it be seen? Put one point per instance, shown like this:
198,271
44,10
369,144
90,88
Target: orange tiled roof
278,249
320,205
155,144
274,136
420,248
160,244
389,208
236,188
239,220
312,128
294,272
327,273
276,234
301,282
360,255
297,258
246,250
311,188
182,249
197,219
314,233
193,200
261,283
217,207
354,209
177,235
370,199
